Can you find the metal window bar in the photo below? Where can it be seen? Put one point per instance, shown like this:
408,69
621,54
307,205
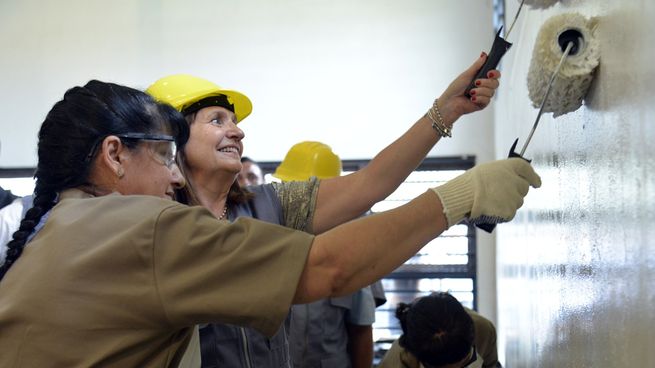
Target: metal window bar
446,264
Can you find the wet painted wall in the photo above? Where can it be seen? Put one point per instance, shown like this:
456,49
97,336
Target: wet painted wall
576,268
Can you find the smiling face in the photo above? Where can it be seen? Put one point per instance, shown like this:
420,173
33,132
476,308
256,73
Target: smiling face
214,146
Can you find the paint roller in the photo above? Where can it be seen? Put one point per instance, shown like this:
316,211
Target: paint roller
564,59
500,45
576,74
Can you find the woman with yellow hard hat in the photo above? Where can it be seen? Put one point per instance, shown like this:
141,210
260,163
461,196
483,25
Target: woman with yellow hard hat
211,161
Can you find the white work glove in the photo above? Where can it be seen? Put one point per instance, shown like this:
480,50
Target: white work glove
488,193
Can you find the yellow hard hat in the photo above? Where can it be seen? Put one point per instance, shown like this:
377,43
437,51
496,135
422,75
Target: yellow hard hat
188,94
307,159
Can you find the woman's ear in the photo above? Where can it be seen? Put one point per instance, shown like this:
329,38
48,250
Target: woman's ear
112,154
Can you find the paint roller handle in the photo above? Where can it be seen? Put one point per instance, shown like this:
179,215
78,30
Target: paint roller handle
488,227
512,152
498,49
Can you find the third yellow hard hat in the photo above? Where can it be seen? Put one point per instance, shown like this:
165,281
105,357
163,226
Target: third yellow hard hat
184,92
307,159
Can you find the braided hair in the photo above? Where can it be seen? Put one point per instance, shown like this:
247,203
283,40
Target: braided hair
436,329
70,136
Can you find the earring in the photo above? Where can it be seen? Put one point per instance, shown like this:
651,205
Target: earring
120,173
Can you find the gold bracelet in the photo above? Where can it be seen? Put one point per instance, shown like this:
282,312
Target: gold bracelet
437,121
437,128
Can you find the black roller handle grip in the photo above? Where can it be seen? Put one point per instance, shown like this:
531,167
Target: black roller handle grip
498,49
512,153
486,227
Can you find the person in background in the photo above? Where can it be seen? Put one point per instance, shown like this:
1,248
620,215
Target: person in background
332,332
250,174
211,162
6,197
438,332
10,211
8,218
126,273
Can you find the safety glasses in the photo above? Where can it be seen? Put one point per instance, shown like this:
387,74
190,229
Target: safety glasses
164,146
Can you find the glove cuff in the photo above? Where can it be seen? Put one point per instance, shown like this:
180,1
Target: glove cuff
456,197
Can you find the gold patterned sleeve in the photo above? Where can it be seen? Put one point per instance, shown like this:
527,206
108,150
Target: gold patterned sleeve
298,200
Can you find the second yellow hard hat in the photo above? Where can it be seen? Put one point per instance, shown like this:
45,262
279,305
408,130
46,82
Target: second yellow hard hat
307,159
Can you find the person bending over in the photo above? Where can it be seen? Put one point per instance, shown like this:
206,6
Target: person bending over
438,332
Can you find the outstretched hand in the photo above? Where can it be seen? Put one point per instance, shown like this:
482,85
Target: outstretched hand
453,103
488,193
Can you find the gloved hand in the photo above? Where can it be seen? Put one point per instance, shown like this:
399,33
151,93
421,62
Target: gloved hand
488,193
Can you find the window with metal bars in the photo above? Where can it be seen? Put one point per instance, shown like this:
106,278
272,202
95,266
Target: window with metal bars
19,180
448,263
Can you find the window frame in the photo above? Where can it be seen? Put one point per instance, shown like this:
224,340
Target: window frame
468,271
17,172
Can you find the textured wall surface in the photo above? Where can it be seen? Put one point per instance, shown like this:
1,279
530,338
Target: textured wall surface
576,269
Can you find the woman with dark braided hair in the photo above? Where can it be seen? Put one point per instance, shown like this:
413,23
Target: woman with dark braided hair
83,115
118,275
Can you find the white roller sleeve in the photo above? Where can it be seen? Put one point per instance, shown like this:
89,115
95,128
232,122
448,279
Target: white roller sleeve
575,75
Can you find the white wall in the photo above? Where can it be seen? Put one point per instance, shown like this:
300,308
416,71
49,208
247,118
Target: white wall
346,72
576,267
354,74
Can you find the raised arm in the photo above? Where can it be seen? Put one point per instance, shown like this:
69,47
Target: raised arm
343,198
360,252
368,248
